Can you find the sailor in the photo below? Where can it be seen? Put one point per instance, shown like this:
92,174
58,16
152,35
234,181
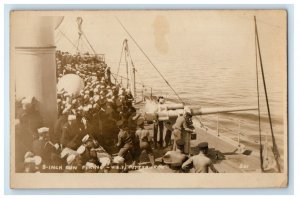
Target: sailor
188,130
125,143
181,130
74,164
30,120
71,134
108,73
176,158
144,140
168,135
44,148
159,125
84,150
128,98
32,164
58,126
201,163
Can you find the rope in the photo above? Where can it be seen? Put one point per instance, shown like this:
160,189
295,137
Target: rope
120,61
258,105
274,149
58,37
89,43
150,61
77,45
68,39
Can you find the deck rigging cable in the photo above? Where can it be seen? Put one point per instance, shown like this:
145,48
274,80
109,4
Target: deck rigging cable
150,61
68,39
274,148
120,62
258,106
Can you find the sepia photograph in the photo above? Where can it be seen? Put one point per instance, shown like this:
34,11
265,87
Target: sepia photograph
148,99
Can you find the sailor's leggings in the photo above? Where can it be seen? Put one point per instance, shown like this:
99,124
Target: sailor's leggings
177,136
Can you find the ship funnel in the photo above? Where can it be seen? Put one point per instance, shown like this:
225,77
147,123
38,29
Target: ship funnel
33,61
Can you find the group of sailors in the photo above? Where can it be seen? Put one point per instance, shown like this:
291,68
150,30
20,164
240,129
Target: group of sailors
78,143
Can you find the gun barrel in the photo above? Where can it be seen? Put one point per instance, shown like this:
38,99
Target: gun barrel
206,111
166,115
173,110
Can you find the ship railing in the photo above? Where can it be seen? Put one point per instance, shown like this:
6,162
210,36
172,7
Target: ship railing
232,127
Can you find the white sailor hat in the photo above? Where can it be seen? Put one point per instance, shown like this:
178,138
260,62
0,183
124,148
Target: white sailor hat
71,158
110,100
85,138
86,108
81,149
90,165
43,130
29,160
28,154
67,151
37,160
86,97
65,111
118,160
96,98
72,117
96,90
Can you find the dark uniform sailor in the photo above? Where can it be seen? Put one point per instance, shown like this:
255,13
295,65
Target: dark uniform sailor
182,130
72,134
125,143
144,140
201,163
44,148
30,121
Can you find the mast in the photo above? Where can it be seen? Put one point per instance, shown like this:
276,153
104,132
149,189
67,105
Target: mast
133,83
130,71
126,62
258,106
274,149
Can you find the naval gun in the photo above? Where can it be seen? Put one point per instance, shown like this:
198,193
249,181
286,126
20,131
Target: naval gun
170,111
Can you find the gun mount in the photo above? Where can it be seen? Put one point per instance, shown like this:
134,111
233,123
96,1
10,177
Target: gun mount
164,112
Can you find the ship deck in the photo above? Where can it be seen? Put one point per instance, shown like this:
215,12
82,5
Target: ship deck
227,155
